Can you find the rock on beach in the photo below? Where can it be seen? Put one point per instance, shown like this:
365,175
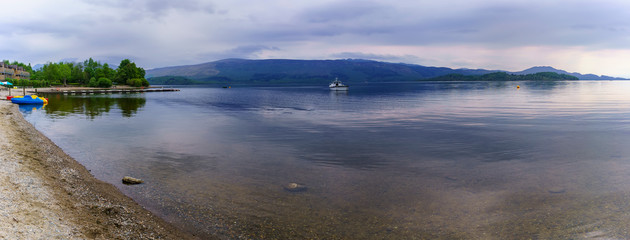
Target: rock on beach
295,187
131,180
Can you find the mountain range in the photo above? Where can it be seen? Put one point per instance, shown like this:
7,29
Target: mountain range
236,71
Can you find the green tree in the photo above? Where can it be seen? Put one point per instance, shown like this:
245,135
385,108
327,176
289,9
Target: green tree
104,83
64,73
37,75
98,73
134,82
127,70
89,67
78,75
108,72
93,82
50,72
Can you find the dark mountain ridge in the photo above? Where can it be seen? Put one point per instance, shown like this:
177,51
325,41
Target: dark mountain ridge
320,71
578,75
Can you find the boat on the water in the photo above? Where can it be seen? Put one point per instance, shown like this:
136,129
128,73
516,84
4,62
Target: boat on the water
29,99
338,86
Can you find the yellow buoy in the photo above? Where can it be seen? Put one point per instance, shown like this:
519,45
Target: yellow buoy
517,86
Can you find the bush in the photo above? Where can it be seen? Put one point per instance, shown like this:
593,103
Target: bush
93,82
39,83
25,82
135,82
104,82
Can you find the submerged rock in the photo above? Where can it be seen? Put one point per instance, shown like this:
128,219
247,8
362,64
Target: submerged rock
295,187
451,178
130,180
556,190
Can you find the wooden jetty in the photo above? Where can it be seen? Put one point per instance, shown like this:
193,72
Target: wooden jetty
105,91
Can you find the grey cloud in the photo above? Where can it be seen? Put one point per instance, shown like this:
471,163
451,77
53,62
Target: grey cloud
69,60
110,3
247,51
379,57
160,6
114,60
137,9
162,32
250,49
363,18
343,11
522,24
492,24
62,27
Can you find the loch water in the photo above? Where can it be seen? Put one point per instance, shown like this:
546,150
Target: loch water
426,160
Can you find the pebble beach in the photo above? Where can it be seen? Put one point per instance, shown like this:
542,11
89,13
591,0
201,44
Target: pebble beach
46,194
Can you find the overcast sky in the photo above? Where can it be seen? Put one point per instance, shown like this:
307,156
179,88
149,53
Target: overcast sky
577,36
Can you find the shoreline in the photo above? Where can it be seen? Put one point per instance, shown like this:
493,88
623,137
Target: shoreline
4,92
45,194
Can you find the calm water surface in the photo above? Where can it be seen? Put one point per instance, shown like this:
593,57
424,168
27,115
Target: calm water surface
476,160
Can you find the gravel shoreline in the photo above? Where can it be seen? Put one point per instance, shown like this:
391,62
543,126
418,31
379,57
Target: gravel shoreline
46,194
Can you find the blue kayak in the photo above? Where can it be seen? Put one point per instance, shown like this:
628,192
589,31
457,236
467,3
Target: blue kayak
29,99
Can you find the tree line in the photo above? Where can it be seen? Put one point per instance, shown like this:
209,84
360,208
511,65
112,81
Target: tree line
89,73
502,76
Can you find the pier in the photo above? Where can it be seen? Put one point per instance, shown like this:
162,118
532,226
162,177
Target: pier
74,91
107,91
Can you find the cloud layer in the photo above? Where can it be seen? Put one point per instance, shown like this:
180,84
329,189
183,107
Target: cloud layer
578,35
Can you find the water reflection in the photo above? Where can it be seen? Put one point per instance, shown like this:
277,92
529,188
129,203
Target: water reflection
60,106
546,85
432,160
29,108
338,93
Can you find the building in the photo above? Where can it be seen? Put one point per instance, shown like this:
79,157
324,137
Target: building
12,72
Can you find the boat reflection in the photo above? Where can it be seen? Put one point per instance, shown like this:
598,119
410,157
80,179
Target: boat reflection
338,93
29,108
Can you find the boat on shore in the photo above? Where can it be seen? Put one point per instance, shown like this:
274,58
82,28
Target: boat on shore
29,99
338,86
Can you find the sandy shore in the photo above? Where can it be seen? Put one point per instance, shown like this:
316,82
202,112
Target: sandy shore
45,194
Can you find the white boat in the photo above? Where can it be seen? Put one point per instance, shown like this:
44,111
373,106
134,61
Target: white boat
338,86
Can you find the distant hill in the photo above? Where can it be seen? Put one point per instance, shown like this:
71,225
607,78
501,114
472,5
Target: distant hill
272,71
503,76
303,71
38,67
578,75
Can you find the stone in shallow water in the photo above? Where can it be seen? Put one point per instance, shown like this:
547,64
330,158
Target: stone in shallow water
451,178
556,190
130,180
295,187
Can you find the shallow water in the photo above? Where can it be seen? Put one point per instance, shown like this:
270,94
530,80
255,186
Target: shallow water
431,160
